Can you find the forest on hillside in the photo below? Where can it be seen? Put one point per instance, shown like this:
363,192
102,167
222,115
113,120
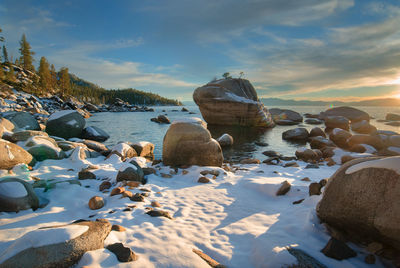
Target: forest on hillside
21,74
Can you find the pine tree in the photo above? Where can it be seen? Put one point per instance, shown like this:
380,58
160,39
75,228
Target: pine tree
5,54
53,77
10,75
1,37
26,59
64,81
2,75
44,74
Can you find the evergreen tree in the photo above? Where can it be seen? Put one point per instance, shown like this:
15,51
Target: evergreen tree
10,75
1,37
53,77
5,54
26,59
44,74
2,75
64,81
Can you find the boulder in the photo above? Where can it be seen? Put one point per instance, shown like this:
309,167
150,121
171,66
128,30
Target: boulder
225,140
350,113
313,121
231,102
95,134
6,124
16,195
337,122
285,116
42,148
144,149
123,150
296,134
96,202
392,117
374,141
363,127
320,142
316,131
12,154
361,200
161,119
123,254
95,145
57,246
26,134
188,142
65,124
130,172
306,154
339,137
23,120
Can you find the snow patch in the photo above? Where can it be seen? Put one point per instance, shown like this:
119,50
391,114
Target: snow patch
13,189
392,163
60,114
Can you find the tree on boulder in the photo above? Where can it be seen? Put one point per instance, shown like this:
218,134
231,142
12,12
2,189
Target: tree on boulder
26,59
226,75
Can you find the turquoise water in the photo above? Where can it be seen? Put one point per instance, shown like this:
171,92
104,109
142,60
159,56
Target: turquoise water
136,126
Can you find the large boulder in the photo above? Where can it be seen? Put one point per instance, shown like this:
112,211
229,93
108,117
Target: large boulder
392,117
16,195
339,137
57,246
23,120
372,140
285,116
6,125
337,122
231,102
95,134
188,142
43,147
361,199
12,154
350,113
26,134
363,127
65,124
130,172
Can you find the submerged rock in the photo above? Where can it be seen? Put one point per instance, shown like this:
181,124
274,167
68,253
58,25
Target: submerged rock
225,140
231,102
188,142
285,116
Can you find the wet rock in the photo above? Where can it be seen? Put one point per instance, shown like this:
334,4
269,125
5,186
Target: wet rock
291,164
271,153
340,137
297,134
161,119
124,254
320,142
104,185
96,202
313,121
311,166
363,127
316,131
225,140
95,134
308,154
337,122
261,144
352,114
250,161
374,141
279,115
338,250
284,188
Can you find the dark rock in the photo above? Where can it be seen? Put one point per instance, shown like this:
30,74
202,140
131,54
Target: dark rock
370,259
225,140
320,142
297,134
271,153
250,161
337,122
16,195
284,188
203,180
392,117
23,120
304,260
104,185
313,121
316,131
65,124
314,189
131,172
124,254
311,166
159,213
86,174
285,114
350,113
95,134
338,250
291,164
261,144
297,202
137,198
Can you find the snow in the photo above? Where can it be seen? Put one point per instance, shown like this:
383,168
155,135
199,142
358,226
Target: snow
9,153
394,149
339,153
237,219
141,143
234,97
336,131
190,120
60,114
42,237
72,123
12,189
392,163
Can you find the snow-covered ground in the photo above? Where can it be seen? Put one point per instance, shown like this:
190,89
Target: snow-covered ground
237,219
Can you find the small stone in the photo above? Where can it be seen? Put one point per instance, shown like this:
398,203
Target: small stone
118,228
164,175
124,254
203,180
148,171
128,194
127,209
156,162
145,190
305,179
331,162
104,185
314,188
250,161
370,259
133,184
338,250
86,174
291,164
298,201
96,202
285,187
117,190
155,204
137,198
184,172
312,166
159,213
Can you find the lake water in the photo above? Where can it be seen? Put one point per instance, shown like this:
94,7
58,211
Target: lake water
136,126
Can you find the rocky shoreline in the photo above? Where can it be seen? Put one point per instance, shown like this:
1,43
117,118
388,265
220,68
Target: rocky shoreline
119,204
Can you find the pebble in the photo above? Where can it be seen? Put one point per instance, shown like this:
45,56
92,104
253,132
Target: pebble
117,191
96,202
203,180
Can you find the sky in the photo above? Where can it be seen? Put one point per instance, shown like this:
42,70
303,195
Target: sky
290,49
